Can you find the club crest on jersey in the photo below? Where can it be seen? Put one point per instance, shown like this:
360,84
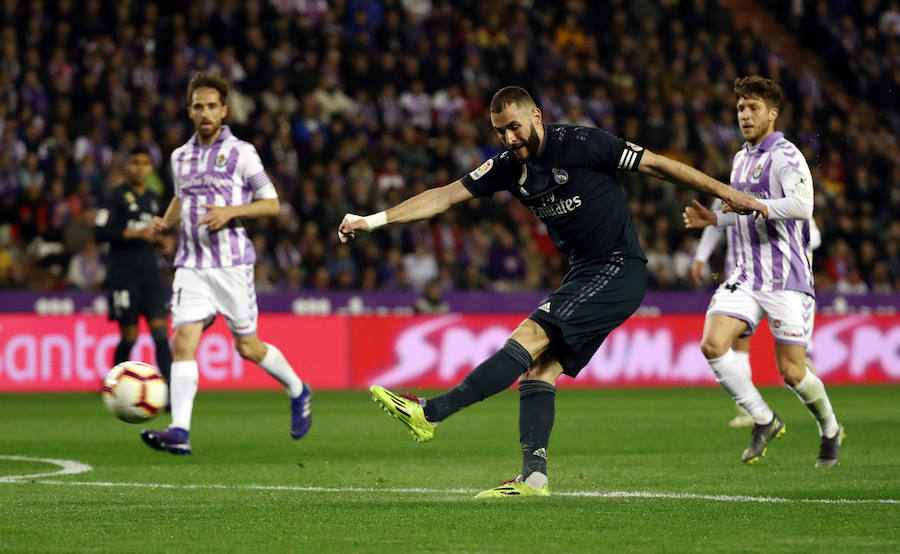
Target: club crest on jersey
560,176
220,161
757,171
481,170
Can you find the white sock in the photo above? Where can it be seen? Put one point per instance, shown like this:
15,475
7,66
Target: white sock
182,390
536,480
733,374
811,391
278,367
744,359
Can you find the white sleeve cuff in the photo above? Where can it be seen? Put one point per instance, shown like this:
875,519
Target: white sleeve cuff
725,220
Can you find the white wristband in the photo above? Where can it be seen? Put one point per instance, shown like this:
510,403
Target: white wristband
375,221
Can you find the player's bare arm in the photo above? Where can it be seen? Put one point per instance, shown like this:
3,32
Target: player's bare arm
139,234
170,220
666,168
421,206
217,217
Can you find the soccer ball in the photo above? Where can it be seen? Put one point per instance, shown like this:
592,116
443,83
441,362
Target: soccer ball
135,391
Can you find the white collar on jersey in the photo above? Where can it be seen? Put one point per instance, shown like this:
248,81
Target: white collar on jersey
764,146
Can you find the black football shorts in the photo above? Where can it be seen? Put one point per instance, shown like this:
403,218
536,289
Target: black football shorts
128,302
590,303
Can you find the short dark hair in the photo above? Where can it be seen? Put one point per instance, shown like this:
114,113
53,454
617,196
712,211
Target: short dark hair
138,150
208,80
510,95
754,86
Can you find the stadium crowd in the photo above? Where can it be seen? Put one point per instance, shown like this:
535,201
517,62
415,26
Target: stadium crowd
357,104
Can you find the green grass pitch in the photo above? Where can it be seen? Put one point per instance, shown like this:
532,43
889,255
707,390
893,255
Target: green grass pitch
358,483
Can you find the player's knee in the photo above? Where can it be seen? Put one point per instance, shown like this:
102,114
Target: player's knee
531,336
713,348
545,368
791,371
251,350
129,333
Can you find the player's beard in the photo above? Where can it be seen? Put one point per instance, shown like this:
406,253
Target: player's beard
532,144
750,134
198,128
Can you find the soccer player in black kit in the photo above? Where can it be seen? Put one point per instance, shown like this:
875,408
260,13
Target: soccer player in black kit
135,284
566,175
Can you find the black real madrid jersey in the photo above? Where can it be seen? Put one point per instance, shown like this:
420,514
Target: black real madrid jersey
571,186
123,208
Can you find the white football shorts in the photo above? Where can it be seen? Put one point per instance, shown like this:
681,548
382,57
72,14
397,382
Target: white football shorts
791,313
198,294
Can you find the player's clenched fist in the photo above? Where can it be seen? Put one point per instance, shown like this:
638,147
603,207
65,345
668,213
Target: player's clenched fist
350,225
353,224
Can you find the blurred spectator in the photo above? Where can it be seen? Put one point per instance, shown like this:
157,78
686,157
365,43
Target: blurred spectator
839,261
506,267
659,264
420,267
86,269
852,284
432,300
358,105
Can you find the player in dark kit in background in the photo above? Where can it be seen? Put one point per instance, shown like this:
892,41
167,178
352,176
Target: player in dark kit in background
566,175
135,284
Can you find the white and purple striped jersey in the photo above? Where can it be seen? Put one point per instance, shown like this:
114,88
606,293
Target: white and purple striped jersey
773,254
228,172
711,235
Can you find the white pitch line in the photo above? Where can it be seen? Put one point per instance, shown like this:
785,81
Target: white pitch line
69,467
595,494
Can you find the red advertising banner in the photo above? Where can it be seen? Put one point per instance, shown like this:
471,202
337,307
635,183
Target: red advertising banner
69,353
436,352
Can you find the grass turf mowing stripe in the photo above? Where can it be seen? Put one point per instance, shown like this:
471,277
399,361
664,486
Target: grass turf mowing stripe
595,494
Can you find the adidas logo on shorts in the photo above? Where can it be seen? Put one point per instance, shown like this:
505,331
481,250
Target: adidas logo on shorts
545,307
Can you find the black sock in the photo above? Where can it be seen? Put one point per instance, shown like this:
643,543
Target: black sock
536,409
123,351
163,352
490,377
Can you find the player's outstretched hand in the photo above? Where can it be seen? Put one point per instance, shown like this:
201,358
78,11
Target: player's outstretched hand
351,225
216,217
697,216
745,204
